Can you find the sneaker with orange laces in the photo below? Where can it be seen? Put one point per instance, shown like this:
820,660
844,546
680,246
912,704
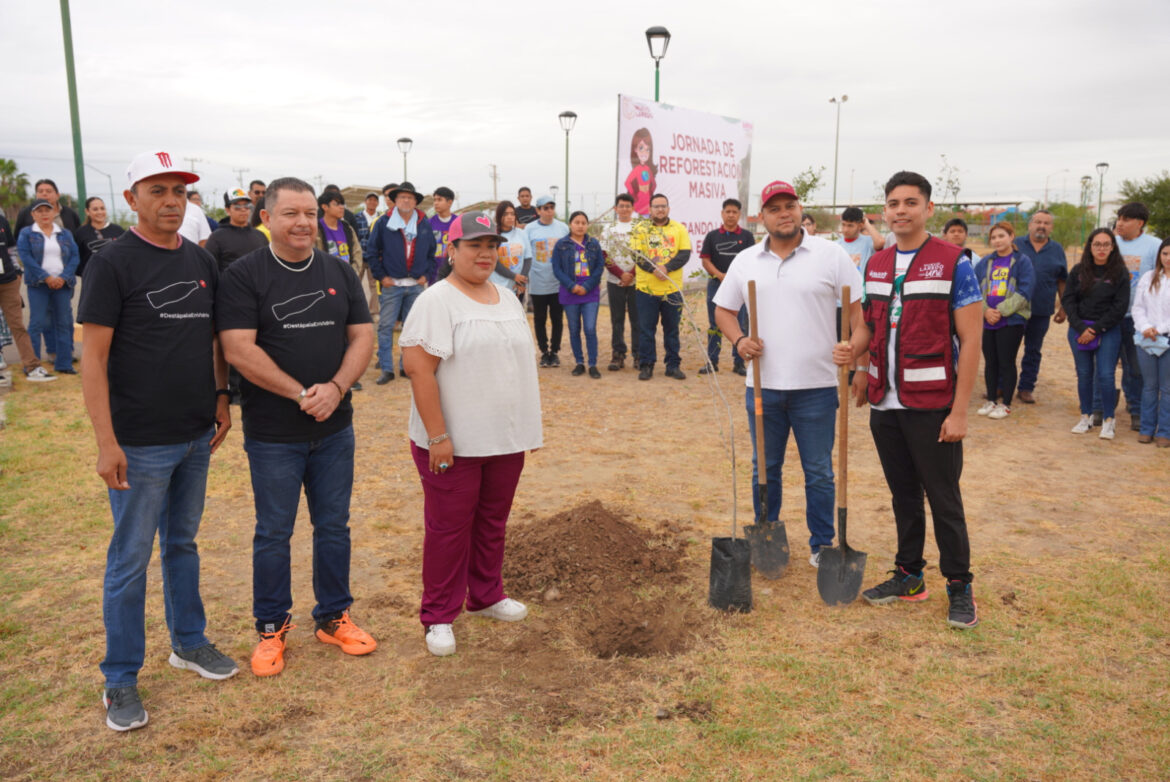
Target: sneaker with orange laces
344,633
268,658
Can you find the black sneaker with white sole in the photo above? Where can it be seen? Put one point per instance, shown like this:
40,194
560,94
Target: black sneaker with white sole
207,661
962,613
124,710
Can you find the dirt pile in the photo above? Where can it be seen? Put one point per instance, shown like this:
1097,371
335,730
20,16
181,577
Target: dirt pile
616,588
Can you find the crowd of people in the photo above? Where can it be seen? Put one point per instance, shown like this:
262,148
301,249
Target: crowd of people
269,307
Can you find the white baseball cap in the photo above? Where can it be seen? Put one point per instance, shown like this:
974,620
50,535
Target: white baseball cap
150,164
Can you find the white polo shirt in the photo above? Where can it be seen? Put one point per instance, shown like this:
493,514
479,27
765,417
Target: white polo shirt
195,226
797,301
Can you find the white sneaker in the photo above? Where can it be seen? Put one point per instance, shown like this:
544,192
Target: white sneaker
440,640
1084,425
39,375
1107,428
1000,411
988,406
5,379
507,610
815,559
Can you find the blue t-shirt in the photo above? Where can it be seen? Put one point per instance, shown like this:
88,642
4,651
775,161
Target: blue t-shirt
1140,256
541,280
859,250
1051,268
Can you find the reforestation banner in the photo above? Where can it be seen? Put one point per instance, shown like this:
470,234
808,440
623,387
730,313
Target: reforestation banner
695,159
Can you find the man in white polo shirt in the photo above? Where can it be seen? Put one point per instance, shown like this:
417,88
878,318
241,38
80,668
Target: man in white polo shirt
798,281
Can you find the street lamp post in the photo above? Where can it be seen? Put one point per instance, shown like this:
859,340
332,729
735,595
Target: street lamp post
1101,169
74,115
568,119
657,38
554,189
837,145
111,183
404,145
1086,184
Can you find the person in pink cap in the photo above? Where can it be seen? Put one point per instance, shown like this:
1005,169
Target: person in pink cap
155,386
798,279
475,410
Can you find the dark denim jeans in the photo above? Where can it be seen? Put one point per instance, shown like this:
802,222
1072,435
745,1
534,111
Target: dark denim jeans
394,303
1131,373
167,487
1096,371
714,336
623,303
1034,332
583,316
325,468
1155,393
650,309
810,414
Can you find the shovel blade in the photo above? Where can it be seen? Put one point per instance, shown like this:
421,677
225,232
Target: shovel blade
839,575
769,544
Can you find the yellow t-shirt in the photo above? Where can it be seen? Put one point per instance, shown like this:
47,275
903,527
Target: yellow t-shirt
659,243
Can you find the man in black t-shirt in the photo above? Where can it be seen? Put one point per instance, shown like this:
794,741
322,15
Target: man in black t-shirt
719,249
150,371
236,238
295,323
525,212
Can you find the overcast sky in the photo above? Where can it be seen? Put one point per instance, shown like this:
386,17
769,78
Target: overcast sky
1013,93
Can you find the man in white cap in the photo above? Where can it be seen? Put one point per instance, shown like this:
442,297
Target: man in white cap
155,386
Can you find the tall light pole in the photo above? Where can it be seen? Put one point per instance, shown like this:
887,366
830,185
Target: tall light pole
1086,185
837,145
1101,169
1054,173
74,116
657,38
404,145
554,189
111,182
568,119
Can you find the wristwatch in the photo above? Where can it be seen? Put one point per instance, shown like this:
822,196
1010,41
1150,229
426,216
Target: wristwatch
301,396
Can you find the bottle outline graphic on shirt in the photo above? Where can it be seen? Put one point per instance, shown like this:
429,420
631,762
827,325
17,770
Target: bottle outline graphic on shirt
283,310
171,294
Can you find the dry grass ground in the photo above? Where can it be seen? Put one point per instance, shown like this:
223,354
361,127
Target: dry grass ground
1066,677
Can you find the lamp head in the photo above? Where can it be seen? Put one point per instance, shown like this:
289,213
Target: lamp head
568,120
657,38
404,144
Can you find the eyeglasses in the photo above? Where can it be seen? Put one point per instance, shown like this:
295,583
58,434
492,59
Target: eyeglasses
1102,245
241,205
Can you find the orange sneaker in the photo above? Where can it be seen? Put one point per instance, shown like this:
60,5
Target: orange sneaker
344,633
268,658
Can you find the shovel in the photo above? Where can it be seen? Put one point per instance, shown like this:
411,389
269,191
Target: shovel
768,539
841,568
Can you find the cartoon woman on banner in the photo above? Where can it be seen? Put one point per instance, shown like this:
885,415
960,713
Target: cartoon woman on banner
641,181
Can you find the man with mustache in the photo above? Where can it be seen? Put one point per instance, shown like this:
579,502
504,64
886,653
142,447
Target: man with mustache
155,386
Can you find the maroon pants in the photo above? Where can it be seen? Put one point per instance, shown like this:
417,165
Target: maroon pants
465,510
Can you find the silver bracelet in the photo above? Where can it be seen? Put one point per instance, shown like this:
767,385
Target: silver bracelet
437,440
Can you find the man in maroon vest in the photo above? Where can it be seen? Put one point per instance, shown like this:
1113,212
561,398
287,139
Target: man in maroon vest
922,305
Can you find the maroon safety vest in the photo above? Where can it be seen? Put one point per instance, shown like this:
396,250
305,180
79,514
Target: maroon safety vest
924,344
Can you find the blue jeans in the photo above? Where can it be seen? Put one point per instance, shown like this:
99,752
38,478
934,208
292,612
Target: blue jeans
1131,374
811,416
1035,330
167,487
650,308
1096,370
1155,393
51,314
393,303
578,315
325,468
714,336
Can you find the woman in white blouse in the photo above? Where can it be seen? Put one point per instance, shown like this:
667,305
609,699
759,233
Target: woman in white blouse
475,410
1151,318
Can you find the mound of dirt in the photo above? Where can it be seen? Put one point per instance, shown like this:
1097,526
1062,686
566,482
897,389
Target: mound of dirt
594,569
585,551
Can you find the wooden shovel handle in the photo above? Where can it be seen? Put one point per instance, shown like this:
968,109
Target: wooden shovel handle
757,391
843,408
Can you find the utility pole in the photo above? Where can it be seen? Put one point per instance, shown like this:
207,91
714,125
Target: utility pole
495,175
191,161
320,180
74,116
240,175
